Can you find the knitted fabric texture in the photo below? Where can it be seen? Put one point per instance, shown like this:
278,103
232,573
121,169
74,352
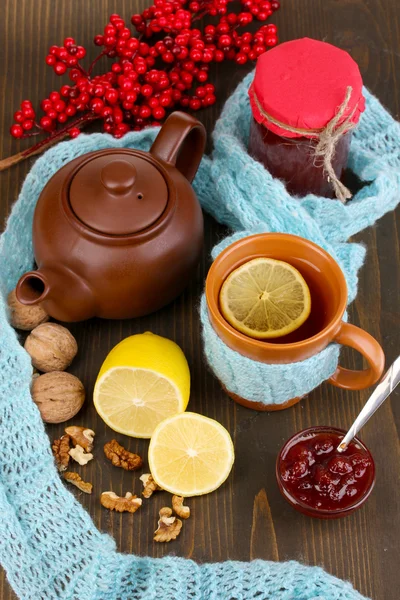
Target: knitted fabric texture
251,201
49,545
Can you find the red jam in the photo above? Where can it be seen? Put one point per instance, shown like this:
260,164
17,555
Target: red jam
293,160
302,91
318,480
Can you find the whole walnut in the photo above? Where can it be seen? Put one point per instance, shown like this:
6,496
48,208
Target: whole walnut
58,395
25,317
51,347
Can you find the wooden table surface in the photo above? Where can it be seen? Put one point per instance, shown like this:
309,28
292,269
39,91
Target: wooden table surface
246,518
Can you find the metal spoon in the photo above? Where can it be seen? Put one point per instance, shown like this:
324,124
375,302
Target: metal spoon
378,396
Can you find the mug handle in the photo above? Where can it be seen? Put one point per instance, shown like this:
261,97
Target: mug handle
363,342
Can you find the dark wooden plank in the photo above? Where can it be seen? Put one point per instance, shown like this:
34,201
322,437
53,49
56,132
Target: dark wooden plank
247,517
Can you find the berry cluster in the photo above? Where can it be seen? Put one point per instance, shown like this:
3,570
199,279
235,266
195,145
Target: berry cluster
24,120
165,67
65,57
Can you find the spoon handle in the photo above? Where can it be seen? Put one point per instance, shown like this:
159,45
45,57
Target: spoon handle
386,386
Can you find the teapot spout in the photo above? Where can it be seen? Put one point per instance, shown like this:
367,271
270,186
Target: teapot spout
64,295
32,288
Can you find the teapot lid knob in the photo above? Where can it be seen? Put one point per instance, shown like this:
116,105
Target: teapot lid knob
118,191
118,176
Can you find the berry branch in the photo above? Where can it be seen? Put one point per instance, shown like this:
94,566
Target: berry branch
166,67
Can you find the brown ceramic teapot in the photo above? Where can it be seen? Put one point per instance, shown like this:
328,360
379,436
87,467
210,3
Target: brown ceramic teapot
118,233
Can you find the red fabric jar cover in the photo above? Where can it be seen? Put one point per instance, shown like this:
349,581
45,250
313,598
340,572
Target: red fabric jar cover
302,84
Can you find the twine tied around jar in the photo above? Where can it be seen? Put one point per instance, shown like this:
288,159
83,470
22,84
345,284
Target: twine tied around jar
327,138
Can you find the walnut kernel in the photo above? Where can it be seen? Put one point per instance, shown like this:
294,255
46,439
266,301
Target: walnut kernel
149,485
129,503
177,504
58,395
51,347
25,317
61,449
77,480
121,457
80,456
81,436
169,527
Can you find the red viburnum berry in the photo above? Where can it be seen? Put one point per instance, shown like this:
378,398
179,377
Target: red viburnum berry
164,67
16,131
74,132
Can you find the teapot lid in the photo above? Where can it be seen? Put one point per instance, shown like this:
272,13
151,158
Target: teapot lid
118,193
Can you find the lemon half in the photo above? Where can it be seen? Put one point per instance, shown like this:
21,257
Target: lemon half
143,380
190,455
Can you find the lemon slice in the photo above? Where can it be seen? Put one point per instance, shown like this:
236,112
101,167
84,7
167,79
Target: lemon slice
265,298
143,380
190,455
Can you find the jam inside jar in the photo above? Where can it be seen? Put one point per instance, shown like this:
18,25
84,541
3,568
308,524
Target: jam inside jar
320,481
305,93
293,160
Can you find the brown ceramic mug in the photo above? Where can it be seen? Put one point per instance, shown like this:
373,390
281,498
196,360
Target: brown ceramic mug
324,325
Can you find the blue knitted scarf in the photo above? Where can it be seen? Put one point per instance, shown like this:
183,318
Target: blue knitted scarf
49,545
250,200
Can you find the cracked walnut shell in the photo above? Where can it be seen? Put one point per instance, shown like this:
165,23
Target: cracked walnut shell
51,347
127,503
169,527
61,449
25,317
81,436
121,457
77,481
58,396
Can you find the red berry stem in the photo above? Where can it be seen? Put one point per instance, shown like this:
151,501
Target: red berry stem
44,144
95,61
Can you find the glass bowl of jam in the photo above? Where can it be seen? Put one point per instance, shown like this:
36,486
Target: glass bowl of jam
319,481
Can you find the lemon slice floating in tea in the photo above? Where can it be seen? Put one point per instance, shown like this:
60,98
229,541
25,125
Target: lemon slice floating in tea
143,380
190,455
265,298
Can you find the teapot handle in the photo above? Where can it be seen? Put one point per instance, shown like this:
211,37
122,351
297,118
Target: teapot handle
181,143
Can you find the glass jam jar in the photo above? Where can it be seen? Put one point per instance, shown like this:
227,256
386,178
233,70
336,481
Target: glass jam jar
321,482
299,89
